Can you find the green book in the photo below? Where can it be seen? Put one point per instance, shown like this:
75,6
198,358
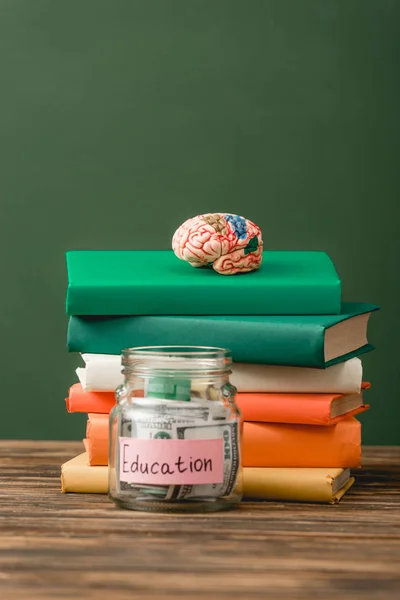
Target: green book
302,341
156,282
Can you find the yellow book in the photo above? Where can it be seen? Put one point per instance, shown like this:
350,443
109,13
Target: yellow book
296,484
77,476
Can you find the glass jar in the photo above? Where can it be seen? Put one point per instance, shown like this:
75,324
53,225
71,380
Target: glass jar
175,431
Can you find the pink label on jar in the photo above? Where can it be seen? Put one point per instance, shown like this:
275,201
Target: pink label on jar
170,462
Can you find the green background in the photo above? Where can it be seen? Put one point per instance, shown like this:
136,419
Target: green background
121,118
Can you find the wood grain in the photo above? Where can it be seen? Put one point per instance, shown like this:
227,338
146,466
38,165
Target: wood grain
62,546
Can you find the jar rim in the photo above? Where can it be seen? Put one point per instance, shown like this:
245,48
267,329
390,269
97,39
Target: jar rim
178,351
167,359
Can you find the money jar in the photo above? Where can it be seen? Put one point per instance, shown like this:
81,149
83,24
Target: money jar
175,431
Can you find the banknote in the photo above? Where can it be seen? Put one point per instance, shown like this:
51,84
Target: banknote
158,415
229,433
153,418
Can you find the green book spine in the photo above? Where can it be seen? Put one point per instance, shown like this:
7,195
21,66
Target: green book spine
156,282
291,340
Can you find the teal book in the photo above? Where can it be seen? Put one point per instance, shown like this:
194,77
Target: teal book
156,282
302,341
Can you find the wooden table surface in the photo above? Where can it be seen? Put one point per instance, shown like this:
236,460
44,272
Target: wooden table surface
64,546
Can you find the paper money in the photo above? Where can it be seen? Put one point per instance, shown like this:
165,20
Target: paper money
168,388
151,418
229,432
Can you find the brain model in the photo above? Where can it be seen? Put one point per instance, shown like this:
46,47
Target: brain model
229,243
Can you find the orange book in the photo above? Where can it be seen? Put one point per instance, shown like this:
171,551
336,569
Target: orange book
97,451
96,442
300,409
267,444
287,445
97,426
88,402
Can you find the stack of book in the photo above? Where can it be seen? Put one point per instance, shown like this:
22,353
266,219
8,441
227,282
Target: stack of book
295,347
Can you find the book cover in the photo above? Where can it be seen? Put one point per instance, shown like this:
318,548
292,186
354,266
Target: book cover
299,485
300,409
266,407
325,485
96,450
96,441
97,426
345,377
78,476
283,445
102,373
274,444
272,340
155,282
89,402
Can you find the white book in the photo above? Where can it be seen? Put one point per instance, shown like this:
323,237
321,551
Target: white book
102,373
